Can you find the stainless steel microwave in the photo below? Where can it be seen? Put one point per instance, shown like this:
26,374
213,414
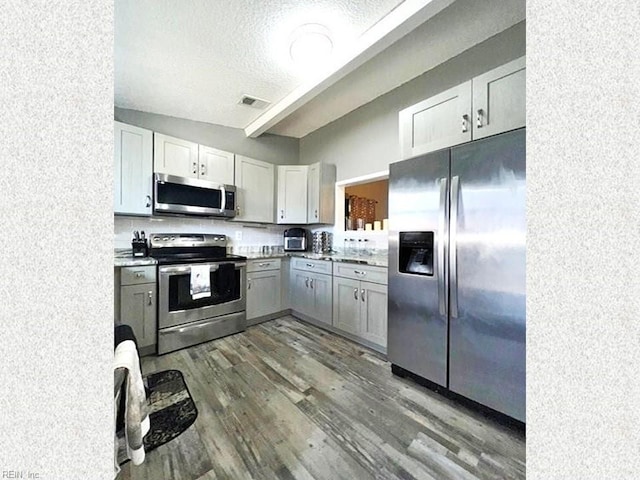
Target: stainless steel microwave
191,196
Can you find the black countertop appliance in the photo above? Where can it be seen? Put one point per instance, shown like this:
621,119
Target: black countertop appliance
296,240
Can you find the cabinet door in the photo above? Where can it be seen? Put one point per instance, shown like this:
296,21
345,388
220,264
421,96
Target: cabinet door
132,169
321,193
263,293
499,98
175,156
320,286
313,193
346,305
254,183
138,310
300,295
215,165
438,122
373,299
292,194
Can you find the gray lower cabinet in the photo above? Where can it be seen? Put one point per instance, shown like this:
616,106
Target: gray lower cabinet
263,293
138,307
359,305
360,308
311,293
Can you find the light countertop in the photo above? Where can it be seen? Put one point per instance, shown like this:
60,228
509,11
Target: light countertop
380,260
123,258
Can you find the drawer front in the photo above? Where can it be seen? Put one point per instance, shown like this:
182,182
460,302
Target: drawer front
356,271
263,264
316,266
136,275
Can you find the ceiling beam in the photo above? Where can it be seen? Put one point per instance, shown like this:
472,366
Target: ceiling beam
399,22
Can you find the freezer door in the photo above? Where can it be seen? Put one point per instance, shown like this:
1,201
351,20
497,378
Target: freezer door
487,273
417,300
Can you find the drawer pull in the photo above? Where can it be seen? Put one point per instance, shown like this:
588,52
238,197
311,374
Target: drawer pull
358,272
310,265
264,264
139,274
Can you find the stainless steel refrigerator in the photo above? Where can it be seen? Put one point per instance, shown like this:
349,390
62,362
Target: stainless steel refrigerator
457,270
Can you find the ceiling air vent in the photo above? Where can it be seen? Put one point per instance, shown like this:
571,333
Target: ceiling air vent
253,102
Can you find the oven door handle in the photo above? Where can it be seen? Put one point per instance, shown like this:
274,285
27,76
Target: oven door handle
175,269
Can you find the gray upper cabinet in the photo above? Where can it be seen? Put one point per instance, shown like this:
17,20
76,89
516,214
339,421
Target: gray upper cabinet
321,196
132,169
255,190
499,99
174,156
215,165
306,194
438,122
292,194
491,103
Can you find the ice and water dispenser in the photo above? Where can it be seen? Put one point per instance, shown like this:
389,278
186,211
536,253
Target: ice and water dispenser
416,253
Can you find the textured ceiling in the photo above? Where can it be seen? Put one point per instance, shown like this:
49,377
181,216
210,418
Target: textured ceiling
194,59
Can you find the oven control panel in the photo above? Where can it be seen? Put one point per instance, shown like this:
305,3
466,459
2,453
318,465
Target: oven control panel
161,240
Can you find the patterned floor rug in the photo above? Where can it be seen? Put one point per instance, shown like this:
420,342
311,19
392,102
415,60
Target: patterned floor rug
171,408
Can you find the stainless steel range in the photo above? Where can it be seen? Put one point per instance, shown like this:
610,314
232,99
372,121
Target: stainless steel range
184,318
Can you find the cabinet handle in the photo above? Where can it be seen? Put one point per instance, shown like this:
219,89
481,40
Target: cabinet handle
465,120
195,168
362,294
202,169
150,297
479,118
281,213
148,198
311,283
316,213
355,293
248,284
306,282
238,210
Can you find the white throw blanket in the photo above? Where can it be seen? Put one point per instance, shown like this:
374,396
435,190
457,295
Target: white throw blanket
136,417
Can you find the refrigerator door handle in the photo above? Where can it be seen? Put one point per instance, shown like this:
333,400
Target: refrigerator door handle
453,246
442,222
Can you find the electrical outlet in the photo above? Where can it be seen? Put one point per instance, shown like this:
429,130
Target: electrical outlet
239,235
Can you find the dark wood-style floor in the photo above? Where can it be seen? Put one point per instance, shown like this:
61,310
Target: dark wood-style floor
287,400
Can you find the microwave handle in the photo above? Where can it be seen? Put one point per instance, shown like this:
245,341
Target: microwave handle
223,204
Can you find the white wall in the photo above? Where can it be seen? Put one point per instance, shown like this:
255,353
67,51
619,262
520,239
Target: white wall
366,140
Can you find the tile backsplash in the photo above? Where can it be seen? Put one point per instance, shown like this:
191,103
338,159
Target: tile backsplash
253,235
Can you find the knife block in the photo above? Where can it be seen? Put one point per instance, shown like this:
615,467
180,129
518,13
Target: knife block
139,248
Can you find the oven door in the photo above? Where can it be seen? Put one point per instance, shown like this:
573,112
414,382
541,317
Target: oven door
177,307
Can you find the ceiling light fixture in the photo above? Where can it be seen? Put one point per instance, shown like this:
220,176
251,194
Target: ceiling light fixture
310,43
